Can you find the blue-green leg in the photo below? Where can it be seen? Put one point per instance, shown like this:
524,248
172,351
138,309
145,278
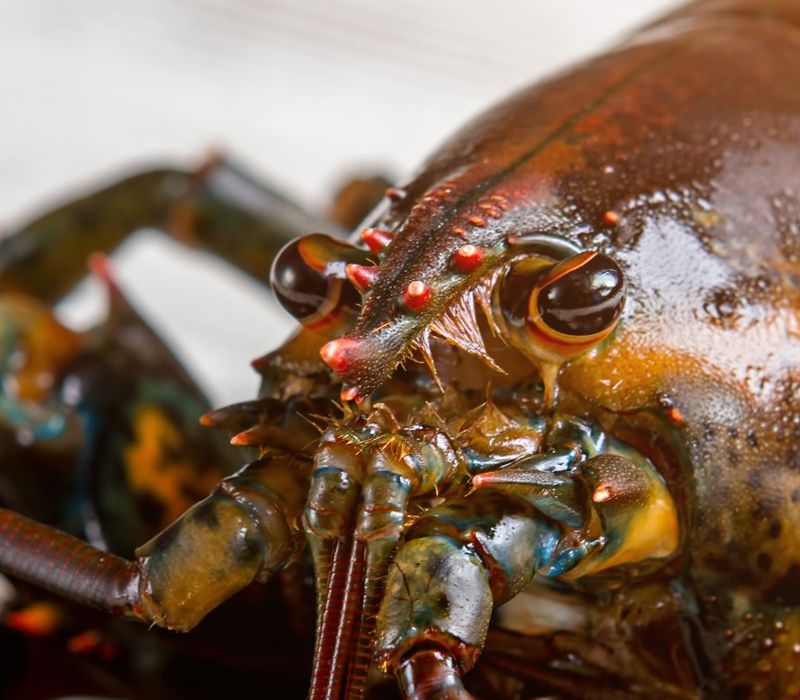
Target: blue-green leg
569,512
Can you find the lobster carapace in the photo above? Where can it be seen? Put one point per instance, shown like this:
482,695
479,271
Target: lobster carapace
568,356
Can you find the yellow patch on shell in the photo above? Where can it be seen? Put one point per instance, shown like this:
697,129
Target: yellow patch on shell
154,464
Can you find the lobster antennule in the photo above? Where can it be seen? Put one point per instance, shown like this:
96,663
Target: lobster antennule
323,678
344,643
349,620
353,541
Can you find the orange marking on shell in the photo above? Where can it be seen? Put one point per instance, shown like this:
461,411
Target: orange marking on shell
338,354
84,643
458,231
500,201
468,257
349,393
362,276
601,494
90,642
489,210
396,194
675,416
376,239
479,480
477,221
611,217
417,295
99,266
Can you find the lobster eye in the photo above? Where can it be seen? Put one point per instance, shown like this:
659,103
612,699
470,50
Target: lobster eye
308,277
579,300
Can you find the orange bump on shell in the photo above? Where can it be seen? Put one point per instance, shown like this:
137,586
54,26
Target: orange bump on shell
84,642
477,221
207,420
601,494
468,257
611,217
417,295
243,439
675,416
376,239
337,354
478,480
37,620
361,276
100,267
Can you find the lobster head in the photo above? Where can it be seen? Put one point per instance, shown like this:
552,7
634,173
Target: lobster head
434,268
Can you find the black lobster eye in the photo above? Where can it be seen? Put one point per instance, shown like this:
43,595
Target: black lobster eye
308,277
580,298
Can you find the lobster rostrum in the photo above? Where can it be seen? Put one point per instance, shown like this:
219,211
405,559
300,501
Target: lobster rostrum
568,356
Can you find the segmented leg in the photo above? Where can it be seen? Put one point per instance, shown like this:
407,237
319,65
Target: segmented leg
244,531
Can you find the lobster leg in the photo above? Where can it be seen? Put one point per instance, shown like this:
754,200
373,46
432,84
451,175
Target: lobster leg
244,531
218,207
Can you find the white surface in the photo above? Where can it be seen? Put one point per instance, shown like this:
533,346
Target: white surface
303,90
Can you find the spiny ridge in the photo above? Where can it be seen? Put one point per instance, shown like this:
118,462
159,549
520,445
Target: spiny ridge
362,276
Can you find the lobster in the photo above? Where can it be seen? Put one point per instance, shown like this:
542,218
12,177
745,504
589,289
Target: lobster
539,426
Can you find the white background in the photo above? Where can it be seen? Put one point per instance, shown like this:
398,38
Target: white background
303,91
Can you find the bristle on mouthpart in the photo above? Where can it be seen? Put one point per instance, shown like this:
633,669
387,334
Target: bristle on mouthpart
458,325
423,344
